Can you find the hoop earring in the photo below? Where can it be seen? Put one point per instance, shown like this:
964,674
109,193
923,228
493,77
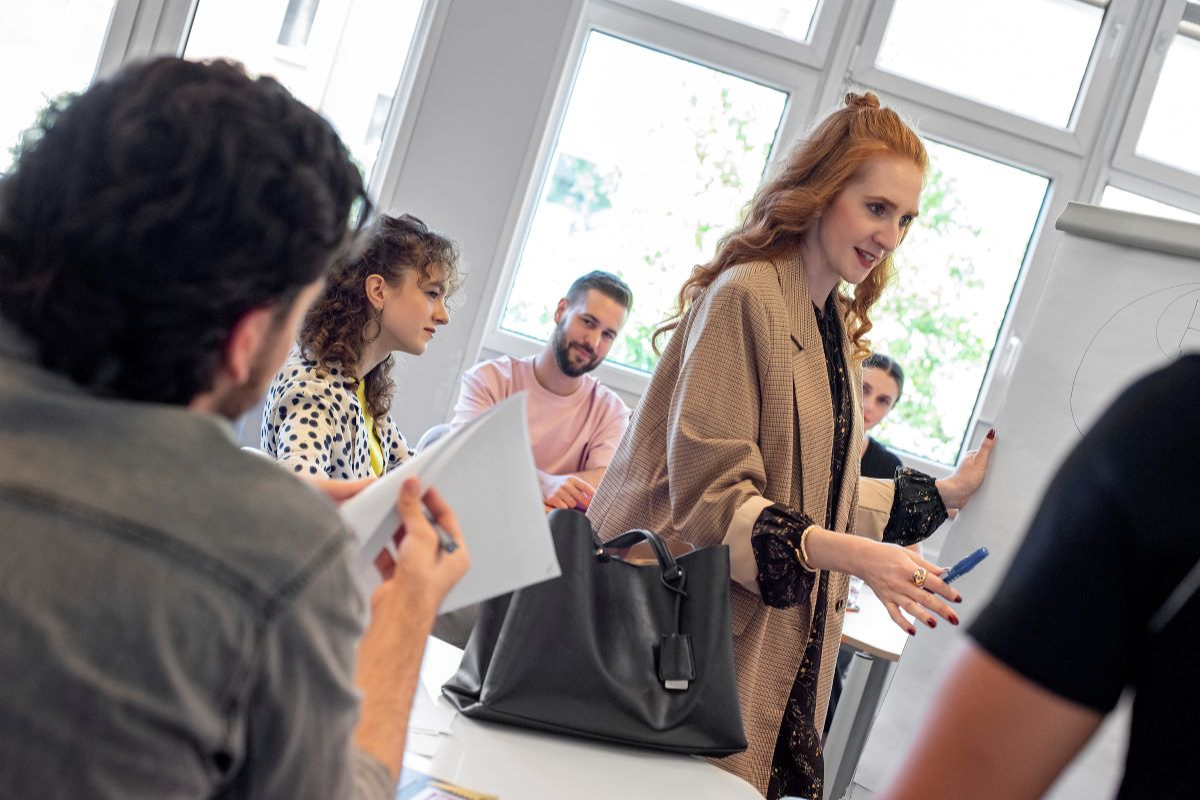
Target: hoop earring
378,320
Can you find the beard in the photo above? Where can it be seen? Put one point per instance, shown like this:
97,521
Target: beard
236,400
562,356
239,399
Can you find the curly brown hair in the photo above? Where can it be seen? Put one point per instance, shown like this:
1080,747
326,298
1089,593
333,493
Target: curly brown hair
333,333
785,206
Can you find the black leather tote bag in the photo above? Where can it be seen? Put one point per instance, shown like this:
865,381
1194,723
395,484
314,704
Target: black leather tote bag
631,654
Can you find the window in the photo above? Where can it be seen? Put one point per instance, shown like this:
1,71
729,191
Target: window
1023,56
297,23
955,276
1128,201
790,19
338,56
47,49
1169,133
654,159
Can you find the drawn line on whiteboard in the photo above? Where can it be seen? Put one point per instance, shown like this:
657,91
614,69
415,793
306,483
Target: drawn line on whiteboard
1157,325
1190,326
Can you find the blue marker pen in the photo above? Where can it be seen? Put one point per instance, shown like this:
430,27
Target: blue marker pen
964,566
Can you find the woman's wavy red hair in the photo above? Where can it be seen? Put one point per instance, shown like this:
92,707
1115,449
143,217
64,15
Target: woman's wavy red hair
784,207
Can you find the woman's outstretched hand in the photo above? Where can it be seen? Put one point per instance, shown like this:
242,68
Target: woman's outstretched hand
900,579
897,576
957,489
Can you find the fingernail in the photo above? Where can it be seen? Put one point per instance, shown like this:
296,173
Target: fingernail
953,619
992,433
958,599
931,623
912,631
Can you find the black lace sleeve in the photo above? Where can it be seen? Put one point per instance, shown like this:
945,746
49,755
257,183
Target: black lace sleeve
782,582
917,508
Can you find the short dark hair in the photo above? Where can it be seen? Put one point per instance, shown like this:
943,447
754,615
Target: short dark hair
604,282
332,334
155,210
888,365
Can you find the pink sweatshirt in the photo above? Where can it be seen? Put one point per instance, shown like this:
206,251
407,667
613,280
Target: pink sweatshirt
570,434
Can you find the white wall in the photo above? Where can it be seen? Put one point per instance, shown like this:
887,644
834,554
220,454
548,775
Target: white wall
464,166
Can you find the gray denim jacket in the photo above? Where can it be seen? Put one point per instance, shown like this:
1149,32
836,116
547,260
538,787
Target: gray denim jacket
178,618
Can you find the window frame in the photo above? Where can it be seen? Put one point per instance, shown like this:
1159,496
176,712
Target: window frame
1152,190
1125,159
814,52
148,28
646,30
1086,119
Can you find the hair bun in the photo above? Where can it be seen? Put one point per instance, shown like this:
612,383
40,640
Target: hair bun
865,100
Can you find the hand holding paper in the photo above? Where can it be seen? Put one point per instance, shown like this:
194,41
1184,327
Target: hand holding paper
485,473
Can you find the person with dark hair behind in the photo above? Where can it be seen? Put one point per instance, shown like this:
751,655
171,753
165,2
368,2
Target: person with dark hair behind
181,619
327,413
882,385
575,422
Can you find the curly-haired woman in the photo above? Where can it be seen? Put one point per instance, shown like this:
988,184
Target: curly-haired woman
327,412
750,431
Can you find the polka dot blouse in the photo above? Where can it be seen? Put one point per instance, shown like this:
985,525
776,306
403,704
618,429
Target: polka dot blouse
314,425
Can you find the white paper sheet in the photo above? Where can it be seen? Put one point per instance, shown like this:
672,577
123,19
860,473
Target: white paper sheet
485,471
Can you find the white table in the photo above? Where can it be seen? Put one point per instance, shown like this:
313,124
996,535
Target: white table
518,764
878,643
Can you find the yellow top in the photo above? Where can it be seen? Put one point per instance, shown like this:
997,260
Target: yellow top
372,436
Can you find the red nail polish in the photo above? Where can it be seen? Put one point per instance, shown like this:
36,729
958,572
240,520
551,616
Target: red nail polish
992,433
932,623
912,631
953,620
958,599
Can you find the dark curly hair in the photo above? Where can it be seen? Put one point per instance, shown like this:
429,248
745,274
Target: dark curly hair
156,209
332,333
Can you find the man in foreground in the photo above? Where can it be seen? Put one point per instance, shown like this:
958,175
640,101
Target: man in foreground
181,618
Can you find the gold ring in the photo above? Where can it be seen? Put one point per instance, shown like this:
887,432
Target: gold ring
919,577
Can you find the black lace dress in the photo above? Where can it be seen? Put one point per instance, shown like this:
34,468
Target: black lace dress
797,768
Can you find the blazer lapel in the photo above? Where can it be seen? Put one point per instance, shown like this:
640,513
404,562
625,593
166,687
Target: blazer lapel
848,494
810,385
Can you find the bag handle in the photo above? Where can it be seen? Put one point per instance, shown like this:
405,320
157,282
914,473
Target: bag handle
676,662
672,574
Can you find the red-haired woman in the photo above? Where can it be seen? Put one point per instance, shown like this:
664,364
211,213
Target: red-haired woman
328,410
750,431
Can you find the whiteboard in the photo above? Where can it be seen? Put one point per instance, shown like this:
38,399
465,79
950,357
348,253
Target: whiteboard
1122,299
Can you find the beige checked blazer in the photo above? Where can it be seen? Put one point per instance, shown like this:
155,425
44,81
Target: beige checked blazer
738,416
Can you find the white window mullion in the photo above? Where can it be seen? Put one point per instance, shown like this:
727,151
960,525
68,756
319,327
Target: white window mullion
1126,157
811,53
402,120
143,29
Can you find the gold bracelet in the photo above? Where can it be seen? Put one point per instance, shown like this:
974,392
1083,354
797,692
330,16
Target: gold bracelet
802,550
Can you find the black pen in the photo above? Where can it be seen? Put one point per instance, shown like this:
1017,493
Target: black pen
445,540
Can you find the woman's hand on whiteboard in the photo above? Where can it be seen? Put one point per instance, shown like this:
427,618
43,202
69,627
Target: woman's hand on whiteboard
968,476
